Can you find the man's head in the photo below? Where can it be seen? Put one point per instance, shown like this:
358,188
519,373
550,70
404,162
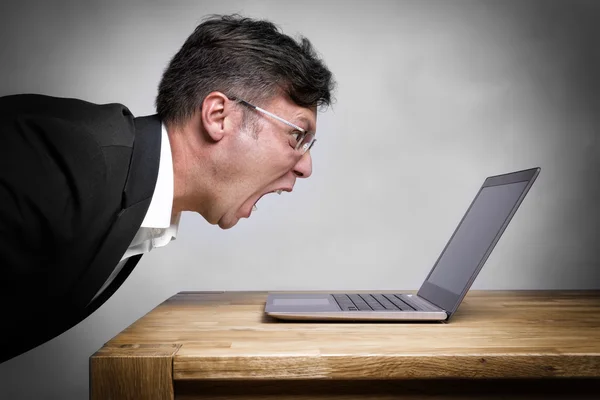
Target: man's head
226,153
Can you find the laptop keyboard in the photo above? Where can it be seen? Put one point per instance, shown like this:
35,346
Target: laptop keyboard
381,302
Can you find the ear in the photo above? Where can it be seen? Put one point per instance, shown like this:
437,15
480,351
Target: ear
215,113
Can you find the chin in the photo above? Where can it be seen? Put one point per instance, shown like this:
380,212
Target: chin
227,223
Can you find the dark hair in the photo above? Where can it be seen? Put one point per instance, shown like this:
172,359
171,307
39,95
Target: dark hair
244,58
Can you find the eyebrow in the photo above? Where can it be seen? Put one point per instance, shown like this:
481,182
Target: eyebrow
304,123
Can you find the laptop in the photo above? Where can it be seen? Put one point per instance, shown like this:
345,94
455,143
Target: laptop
447,283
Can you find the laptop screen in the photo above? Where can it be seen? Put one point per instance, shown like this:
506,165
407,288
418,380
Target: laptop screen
473,240
475,235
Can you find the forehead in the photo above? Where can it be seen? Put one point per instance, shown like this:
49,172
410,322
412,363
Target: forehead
304,117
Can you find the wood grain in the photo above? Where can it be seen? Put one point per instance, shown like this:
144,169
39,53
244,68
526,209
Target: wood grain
132,372
226,337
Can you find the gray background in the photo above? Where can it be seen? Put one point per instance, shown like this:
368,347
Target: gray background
433,97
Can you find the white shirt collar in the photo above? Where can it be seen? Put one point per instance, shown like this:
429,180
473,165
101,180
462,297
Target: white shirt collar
161,205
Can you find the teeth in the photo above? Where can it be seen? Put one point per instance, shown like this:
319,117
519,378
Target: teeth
254,208
278,191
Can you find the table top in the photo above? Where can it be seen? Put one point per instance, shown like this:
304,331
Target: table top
226,335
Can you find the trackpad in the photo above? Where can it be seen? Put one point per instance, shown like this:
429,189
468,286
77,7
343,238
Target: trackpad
299,302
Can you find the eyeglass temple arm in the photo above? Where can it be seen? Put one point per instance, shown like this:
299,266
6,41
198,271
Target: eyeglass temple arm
271,115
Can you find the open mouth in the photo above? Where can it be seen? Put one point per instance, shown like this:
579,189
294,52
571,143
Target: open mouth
278,191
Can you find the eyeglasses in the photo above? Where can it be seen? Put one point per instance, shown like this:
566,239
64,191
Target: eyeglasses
304,140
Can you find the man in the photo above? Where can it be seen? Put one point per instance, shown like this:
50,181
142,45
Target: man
87,189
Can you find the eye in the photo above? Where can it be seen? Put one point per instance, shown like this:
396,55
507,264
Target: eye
295,136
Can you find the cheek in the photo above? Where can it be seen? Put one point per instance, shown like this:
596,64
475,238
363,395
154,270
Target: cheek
278,156
284,161
267,157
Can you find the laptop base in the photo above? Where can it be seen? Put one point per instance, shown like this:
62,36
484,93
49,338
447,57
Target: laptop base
362,316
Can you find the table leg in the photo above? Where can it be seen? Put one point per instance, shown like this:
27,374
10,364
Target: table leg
133,372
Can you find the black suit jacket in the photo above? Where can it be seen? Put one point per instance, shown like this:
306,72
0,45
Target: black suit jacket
76,180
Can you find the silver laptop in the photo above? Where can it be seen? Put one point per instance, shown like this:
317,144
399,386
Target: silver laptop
448,281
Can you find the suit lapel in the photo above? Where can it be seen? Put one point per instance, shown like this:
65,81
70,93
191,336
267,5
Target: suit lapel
143,171
137,194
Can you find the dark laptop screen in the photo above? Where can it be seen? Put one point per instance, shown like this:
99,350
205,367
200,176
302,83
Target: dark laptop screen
475,235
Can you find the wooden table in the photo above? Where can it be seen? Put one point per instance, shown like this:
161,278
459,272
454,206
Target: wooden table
215,345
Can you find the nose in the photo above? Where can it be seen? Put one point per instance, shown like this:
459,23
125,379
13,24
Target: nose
303,168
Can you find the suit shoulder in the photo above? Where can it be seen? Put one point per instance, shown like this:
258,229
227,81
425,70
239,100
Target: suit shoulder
112,124
33,102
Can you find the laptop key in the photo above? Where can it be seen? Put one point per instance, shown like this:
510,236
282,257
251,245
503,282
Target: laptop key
410,302
399,303
360,303
344,302
375,305
385,303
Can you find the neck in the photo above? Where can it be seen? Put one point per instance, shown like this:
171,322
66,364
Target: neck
193,189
